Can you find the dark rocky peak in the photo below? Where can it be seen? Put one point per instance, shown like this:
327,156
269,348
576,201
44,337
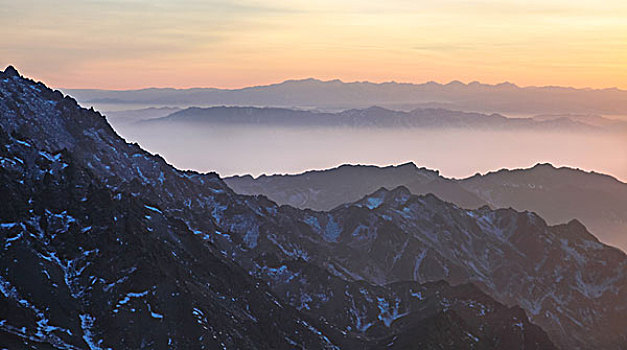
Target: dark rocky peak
544,167
198,242
401,172
398,193
575,231
29,104
383,196
506,84
50,121
10,71
375,111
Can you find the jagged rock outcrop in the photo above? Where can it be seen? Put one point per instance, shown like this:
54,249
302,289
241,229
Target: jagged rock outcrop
105,245
559,195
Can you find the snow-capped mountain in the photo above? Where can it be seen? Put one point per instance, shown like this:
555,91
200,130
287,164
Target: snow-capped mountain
107,246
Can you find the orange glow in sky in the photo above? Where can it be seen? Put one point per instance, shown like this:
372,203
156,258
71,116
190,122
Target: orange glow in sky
128,44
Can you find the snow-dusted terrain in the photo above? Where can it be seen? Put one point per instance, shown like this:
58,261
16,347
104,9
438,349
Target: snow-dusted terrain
558,195
107,246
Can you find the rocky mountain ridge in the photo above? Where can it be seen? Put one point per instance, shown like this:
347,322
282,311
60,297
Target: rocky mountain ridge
190,231
559,195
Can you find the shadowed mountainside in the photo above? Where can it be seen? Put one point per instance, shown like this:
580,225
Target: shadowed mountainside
106,245
557,194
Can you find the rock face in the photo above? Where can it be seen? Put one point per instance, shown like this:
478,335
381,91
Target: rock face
89,265
327,189
559,195
107,246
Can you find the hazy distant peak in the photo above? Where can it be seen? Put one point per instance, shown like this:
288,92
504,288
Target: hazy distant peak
430,83
310,81
371,109
455,83
376,108
575,231
506,84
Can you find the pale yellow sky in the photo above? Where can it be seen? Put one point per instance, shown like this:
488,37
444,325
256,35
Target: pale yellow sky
119,44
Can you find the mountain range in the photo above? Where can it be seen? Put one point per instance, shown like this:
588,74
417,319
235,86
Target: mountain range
557,194
372,117
107,246
137,115
337,95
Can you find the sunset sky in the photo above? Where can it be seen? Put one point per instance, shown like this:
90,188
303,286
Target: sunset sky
128,44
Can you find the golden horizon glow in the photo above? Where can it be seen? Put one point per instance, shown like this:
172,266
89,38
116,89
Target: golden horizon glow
117,44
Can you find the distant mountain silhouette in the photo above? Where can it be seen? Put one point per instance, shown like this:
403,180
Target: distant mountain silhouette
327,189
372,117
589,119
335,94
105,245
136,115
557,194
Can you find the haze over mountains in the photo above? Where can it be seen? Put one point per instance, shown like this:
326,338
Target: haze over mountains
336,95
299,125
559,195
372,117
257,141
106,245
137,115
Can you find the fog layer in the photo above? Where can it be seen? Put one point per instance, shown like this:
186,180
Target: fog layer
256,150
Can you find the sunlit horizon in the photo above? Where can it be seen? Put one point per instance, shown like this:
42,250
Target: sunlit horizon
331,79
232,44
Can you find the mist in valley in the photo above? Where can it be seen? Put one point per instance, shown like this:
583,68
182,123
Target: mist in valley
230,150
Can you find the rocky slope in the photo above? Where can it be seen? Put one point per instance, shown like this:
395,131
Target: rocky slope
132,247
90,265
327,189
559,195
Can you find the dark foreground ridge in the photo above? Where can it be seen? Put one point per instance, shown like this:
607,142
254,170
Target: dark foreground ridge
107,246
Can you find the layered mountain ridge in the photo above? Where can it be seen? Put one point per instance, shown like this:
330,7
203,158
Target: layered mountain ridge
372,117
106,246
308,93
557,194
